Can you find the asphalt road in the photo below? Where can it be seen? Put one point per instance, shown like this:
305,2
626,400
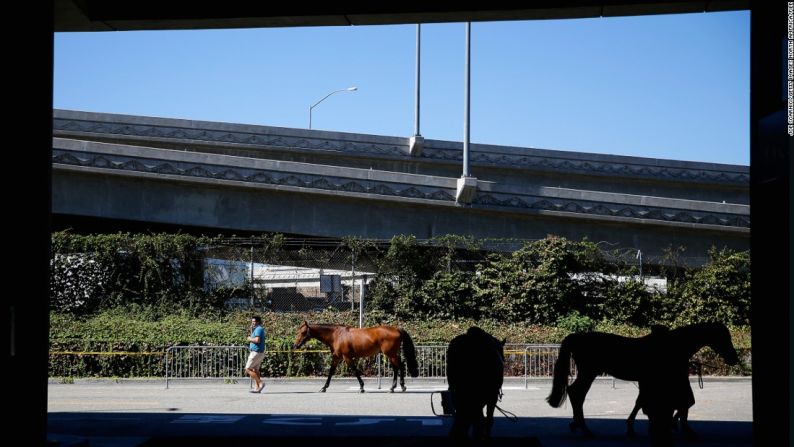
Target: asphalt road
134,413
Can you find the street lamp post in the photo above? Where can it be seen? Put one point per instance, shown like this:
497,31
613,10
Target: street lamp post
349,89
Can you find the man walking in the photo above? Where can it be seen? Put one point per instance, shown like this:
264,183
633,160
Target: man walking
257,348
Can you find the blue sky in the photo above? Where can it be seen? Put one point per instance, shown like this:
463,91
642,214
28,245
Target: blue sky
666,86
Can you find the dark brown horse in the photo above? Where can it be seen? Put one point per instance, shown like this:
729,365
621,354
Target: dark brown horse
658,329
683,395
349,344
635,359
475,372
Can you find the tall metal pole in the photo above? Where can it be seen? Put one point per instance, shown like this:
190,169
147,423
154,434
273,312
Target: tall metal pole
466,107
361,301
252,272
418,49
353,281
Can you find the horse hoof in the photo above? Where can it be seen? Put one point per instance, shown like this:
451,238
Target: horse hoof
362,390
322,390
391,390
403,387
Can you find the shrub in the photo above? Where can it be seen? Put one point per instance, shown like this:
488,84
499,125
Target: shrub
719,291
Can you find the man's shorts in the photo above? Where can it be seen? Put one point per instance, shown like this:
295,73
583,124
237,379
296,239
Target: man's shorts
254,360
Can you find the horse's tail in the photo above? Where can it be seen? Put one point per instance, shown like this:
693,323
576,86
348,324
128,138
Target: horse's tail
410,353
562,368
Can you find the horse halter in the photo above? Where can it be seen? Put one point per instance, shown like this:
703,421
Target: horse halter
308,334
303,338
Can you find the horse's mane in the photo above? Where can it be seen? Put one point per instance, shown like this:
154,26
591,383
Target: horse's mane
327,326
702,326
475,331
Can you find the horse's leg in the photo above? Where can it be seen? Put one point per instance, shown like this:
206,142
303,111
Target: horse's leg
395,364
402,373
630,421
352,363
659,426
460,425
489,409
479,425
687,400
577,392
334,361
682,415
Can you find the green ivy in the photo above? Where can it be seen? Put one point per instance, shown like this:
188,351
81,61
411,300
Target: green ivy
131,332
545,282
720,291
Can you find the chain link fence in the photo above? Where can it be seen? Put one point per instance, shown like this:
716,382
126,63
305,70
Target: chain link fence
281,274
288,276
324,274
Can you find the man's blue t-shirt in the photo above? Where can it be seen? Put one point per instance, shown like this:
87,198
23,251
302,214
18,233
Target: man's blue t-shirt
258,347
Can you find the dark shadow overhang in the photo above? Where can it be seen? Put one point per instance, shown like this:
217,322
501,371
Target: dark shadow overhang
128,15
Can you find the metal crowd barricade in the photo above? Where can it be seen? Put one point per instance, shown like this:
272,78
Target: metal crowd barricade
431,360
201,362
529,360
539,360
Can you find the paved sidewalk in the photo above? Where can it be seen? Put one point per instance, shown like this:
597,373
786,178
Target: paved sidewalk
144,413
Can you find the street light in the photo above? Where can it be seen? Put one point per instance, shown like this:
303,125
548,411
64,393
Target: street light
349,89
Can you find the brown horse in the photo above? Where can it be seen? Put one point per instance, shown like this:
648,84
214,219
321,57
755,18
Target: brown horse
349,344
654,359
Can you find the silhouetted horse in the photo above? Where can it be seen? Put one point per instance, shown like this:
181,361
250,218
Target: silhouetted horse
653,360
683,395
658,329
349,344
475,371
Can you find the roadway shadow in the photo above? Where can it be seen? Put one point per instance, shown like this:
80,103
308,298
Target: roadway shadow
555,432
317,430
351,441
231,430
356,391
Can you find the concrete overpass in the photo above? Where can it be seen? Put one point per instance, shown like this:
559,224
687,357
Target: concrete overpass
318,183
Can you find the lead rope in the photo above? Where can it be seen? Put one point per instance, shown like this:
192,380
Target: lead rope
433,407
510,416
